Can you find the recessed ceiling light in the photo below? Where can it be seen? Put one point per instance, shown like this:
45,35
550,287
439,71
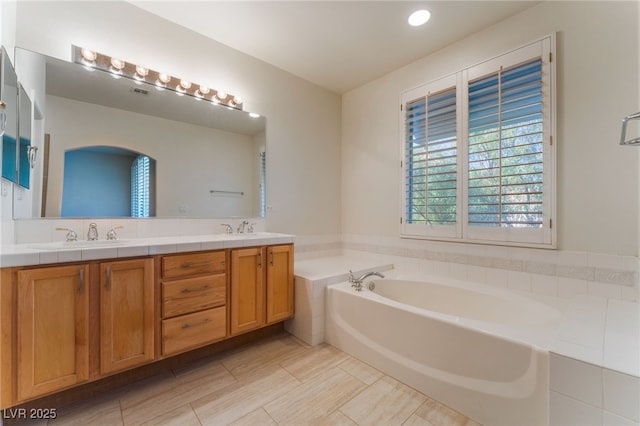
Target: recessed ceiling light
419,17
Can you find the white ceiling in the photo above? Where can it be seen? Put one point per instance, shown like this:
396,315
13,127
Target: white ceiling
339,45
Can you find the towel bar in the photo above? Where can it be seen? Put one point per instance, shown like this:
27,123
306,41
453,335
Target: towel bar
623,135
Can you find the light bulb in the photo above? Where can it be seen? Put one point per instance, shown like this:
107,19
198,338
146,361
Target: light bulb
162,81
88,58
141,73
88,55
201,92
117,64
182,88
116,67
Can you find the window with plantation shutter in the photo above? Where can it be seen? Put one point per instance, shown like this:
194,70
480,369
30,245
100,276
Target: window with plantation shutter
431,159
506,148
478,154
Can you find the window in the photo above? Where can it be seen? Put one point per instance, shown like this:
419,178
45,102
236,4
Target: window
478,153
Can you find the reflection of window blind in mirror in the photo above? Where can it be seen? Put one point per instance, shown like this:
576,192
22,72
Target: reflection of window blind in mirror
140,187
263,183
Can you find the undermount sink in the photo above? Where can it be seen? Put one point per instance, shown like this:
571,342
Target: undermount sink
77,244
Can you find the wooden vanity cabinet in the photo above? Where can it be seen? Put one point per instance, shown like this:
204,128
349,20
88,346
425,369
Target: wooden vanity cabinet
261,287
127,314
65,325
247,289
280,303
52,329
194,299
57,338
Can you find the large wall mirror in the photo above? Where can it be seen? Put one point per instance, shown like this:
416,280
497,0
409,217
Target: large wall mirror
119,148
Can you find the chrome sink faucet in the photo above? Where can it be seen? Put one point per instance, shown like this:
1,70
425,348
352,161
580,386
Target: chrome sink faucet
71,234
229,229
357,282
92,235
111,234
241,226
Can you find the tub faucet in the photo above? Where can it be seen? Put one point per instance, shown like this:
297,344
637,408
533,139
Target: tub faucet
357,282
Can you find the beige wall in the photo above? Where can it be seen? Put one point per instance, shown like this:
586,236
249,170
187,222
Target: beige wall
303,120
308,169
597,70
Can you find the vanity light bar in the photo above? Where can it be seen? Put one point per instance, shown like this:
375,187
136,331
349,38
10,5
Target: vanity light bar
139,74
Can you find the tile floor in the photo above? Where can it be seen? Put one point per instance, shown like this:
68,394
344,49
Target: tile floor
276,381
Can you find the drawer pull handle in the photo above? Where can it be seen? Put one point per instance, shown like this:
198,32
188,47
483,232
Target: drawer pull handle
108,283
81,282
188,265
188,325
193,290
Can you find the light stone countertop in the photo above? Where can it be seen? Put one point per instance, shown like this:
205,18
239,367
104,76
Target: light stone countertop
29,254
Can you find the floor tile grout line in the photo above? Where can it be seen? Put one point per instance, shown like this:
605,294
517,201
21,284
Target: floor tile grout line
196,414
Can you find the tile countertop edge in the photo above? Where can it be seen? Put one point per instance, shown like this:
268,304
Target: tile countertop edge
29,255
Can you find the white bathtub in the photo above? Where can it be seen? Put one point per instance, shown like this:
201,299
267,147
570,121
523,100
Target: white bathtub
479,350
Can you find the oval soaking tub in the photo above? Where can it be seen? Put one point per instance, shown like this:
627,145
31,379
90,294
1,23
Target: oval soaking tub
479,350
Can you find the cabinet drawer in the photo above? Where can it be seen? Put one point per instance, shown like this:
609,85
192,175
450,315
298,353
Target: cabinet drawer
193,330
193,294
185,265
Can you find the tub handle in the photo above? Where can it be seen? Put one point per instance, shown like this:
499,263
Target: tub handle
352,279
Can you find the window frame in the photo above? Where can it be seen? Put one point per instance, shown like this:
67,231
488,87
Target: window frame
543,237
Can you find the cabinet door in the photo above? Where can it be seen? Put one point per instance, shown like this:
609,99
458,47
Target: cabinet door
53,329
126,314
279,283
247,290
